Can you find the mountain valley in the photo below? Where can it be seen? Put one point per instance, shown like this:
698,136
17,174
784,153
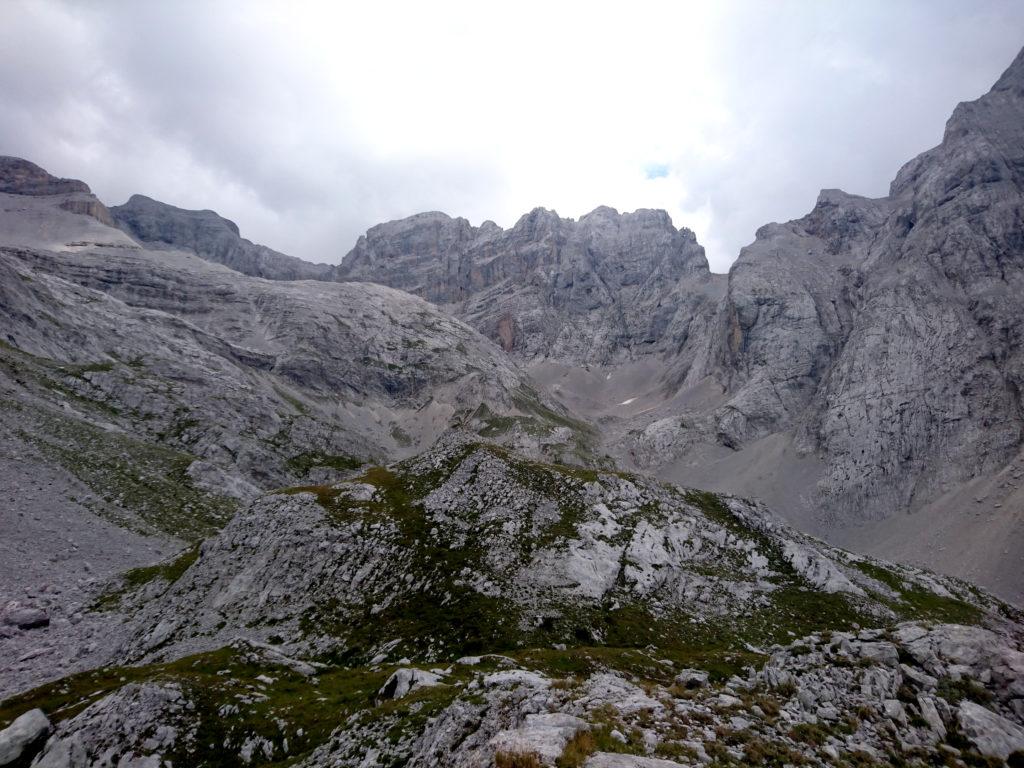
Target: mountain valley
552,495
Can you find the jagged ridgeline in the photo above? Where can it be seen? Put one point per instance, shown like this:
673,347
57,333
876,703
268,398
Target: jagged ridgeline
273,513
471,605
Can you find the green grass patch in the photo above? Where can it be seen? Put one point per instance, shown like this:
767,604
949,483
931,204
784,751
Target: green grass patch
303,463
146,482
305,711
168,571
916,602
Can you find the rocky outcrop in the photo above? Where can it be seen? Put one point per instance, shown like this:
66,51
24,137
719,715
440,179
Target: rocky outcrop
210,237
153,340
885,331
88,206
607,287
479,550
131,726
20,177
470,606
143,394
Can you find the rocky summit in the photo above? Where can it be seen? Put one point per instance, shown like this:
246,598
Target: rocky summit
552,495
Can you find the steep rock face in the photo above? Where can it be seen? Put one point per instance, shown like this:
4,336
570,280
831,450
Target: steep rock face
790,307
605,288
927,390
210,237
886,333
20,177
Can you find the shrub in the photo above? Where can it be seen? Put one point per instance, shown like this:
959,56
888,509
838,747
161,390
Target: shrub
516,760
808,733
577,750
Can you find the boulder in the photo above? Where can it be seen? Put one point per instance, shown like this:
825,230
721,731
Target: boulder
613,760
406,680
22,738
692,678
992,734
543,734
25,616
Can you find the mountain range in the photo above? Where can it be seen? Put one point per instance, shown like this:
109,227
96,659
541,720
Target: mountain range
865,360
555,494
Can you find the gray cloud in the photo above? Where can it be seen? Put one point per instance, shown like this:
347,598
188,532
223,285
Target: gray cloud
307,124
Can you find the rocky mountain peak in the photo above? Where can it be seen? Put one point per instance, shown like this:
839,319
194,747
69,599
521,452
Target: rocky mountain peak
21,177
140,204
1012,79
585,290
538,220
210,236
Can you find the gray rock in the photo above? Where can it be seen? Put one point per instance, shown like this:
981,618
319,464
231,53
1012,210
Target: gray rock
930,714
20,177
127,727
25,616
604,287
210,237
614,760
504,513
406,680
23,736
542,734
992,734
883,653
692,678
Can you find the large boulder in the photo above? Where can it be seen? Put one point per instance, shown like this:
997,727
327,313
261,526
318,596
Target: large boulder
22,738
992,734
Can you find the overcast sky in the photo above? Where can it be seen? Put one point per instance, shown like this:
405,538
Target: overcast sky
307,123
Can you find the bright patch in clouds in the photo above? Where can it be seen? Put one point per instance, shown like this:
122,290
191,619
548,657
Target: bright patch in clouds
308,122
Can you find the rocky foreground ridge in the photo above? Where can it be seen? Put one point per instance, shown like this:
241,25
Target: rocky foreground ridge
473,607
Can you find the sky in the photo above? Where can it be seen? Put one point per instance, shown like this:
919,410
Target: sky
307,122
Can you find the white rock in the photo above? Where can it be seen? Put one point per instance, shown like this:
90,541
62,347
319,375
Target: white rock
512,678
611,760
692,678
26,730
818,569
406,680
893,709
543,734
992,734
883,653
605,688
930,715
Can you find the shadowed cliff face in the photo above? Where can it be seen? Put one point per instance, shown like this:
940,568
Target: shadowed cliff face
20,177
888,331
